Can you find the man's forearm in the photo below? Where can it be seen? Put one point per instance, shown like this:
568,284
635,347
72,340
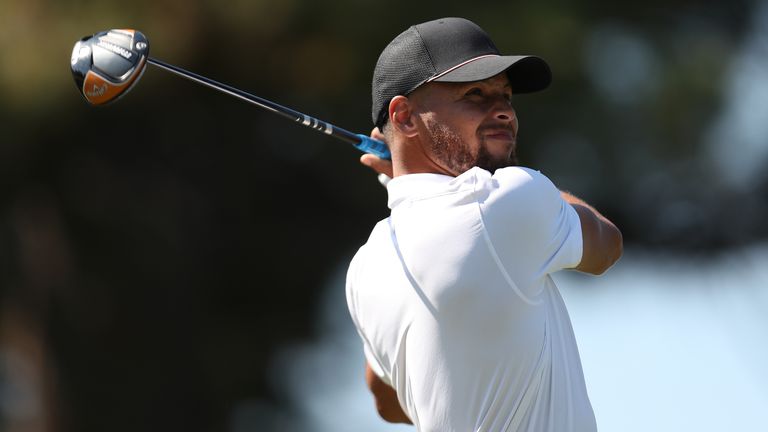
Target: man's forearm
603,243
386,399
572,199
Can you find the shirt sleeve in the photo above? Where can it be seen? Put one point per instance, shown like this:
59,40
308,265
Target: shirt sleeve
566,244
352,305
535,231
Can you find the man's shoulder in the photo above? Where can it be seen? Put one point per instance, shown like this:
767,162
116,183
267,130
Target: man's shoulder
379,231
379,234
510,179
518,195
520,175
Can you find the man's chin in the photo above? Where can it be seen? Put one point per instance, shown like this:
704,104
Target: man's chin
491,164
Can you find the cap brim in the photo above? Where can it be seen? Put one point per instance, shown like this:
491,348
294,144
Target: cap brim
526,73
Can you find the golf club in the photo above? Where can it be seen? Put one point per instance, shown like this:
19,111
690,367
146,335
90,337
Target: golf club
108,64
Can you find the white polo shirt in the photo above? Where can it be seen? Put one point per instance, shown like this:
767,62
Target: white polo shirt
453,299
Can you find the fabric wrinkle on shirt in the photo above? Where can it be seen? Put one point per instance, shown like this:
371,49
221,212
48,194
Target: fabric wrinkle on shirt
453,299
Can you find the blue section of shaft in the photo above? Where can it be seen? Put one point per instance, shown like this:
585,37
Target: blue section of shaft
372,146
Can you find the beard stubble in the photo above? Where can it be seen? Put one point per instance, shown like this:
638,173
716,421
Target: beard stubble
450,150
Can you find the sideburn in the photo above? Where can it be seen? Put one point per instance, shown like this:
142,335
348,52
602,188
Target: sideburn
448,148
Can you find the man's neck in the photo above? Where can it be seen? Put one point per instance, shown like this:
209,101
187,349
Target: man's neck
413,157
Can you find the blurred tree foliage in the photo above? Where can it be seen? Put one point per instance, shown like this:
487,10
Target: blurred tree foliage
162,248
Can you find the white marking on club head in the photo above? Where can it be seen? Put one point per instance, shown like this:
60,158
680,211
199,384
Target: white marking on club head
306,121
97,90
79,51
141,45
114,48
75,53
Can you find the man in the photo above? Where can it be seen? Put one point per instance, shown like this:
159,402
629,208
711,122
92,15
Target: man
463,328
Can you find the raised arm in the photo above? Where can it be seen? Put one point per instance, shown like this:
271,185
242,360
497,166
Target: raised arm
603,244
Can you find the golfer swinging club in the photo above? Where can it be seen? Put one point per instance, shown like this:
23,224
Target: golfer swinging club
463,328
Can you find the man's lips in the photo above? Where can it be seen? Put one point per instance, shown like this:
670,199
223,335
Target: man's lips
500,134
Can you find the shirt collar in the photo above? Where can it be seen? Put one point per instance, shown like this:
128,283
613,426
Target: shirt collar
412,186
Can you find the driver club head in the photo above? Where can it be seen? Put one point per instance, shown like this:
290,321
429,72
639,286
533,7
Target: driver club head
107,65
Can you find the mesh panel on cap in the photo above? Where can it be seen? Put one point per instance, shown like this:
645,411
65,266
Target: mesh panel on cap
402,66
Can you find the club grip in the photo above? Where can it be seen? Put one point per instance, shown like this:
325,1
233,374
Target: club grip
372,146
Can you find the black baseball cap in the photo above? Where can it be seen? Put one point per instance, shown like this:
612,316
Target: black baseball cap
448,50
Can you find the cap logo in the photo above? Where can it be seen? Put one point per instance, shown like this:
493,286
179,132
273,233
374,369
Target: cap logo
460,65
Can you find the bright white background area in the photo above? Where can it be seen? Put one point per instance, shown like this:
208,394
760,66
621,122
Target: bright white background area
667,344
673,345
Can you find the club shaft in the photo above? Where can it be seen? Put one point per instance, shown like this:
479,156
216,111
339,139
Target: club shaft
360,141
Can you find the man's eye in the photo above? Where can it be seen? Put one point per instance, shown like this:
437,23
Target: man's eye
474,92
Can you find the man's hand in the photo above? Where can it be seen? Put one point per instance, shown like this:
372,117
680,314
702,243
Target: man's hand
381,166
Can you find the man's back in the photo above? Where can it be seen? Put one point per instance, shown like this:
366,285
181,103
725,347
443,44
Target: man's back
454,302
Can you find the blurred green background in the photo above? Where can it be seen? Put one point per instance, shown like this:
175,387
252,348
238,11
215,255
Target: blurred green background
156,253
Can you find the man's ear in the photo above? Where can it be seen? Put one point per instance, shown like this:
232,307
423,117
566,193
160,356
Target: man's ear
401,113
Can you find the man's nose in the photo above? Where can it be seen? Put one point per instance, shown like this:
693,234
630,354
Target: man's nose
503,110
